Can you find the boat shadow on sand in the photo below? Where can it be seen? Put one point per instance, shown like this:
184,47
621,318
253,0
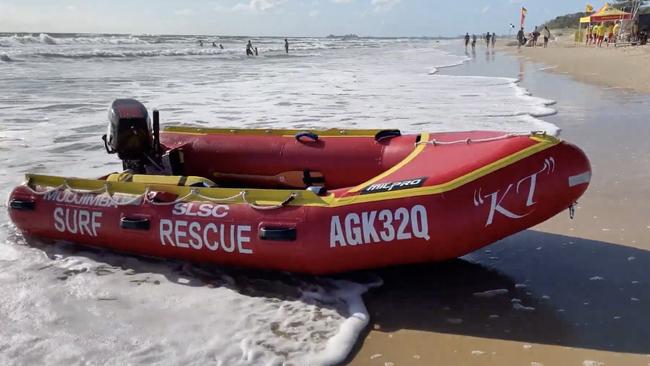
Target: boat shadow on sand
531,287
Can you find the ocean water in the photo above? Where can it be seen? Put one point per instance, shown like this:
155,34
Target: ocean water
62,304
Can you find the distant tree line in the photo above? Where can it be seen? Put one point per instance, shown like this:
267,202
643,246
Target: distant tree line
565,21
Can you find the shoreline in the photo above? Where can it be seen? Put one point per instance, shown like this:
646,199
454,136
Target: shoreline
611,67
564,292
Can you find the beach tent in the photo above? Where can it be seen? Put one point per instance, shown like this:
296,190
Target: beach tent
604,14
608,14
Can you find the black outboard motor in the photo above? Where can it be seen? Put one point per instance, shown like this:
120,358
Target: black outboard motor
130,135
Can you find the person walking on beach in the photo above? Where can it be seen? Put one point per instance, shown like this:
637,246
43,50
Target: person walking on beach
520,37
615,30
473,41
286,46
466,40
249,48
535,36
594,35
488,36
494,39
547,35
610,34
600,33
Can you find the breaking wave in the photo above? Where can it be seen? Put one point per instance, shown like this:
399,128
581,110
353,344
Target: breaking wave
46,39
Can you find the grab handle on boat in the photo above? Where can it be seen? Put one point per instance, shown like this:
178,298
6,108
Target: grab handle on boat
135,223
310,135
22,205
277,233
386,134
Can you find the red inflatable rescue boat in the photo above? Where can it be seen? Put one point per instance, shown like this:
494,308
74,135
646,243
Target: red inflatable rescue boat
304,201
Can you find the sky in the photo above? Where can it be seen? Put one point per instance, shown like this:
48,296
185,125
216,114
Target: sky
395,18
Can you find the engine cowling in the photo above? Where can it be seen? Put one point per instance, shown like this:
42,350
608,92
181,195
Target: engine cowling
129,129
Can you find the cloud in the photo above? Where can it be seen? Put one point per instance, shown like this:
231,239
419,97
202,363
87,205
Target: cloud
341,1
264,5
183,12
485,9
252,5
314,13
382,6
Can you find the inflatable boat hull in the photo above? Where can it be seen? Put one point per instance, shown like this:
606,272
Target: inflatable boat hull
441,199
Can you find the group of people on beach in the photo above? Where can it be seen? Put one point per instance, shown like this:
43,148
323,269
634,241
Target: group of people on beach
531,40
599,33
490,39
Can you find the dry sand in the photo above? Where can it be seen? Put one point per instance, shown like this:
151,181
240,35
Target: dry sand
620,67
567,292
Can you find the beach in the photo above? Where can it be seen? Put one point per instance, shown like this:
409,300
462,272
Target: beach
609,66
566,292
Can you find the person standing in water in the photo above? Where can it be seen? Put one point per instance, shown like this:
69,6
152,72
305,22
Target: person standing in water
494,39
256,54
200,43
286,46
220,46
487,39
249,48
466,40
473,41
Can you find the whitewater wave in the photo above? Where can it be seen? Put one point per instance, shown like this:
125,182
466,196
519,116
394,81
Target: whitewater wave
46,39
222,316
134,53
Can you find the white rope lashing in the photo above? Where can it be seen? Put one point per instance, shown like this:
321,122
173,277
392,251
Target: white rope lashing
290,198
468,141
145,196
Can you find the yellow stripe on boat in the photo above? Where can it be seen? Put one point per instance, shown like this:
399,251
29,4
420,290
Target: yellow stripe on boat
543,143
303,197
418,149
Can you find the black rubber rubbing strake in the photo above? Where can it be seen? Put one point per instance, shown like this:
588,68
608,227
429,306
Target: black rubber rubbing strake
135,223
22,205
278,233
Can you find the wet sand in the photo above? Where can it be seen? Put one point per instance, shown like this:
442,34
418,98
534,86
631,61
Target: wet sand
608,66
567,292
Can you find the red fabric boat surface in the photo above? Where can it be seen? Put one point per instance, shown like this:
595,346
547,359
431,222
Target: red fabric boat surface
394,200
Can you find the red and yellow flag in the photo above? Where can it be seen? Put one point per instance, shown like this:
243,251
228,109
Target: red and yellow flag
523,15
